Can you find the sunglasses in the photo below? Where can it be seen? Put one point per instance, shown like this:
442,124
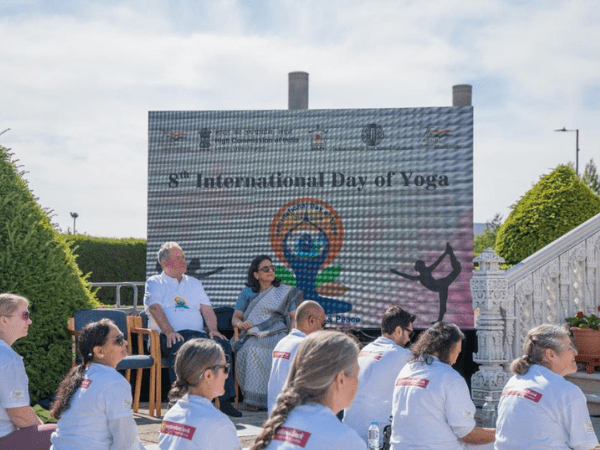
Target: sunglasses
267,269
120,339
411,333
25,315
225,367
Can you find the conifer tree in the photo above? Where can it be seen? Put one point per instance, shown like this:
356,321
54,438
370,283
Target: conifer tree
558,203
37,263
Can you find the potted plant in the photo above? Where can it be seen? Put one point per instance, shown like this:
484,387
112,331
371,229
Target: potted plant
586,334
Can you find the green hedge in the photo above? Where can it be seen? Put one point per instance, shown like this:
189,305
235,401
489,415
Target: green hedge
558,203
37,262
107,259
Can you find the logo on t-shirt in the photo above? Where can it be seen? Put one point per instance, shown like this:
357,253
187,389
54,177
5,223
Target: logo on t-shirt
85,384
374,355
281,355
177,429
180,303
527,393
414,382
293,436
17,394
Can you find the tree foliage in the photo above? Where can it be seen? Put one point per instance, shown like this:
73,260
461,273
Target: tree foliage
488,238
590,177
558,203
108,259
37,263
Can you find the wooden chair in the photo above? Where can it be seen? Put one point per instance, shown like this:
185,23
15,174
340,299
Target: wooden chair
137,362
223,314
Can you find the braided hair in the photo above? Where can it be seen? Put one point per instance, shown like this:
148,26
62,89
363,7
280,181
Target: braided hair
320,357
92,335
538,340
192,360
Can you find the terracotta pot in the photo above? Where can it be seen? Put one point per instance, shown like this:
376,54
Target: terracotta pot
587,341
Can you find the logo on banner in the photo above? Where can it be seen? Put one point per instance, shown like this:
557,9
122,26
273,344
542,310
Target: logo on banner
372,134
204,137
174,136
307,235
436,138
318,137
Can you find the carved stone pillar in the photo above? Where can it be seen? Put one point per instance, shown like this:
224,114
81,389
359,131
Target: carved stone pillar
489,290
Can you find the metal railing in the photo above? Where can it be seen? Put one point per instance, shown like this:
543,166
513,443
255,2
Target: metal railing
118,285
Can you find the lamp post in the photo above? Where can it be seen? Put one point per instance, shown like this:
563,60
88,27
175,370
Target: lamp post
74,215
576,148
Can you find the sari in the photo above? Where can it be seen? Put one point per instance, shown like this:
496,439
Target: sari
268,312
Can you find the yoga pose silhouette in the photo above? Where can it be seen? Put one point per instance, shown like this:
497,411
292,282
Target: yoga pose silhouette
440,285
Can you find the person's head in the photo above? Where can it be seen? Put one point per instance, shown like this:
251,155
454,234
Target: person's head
310,317
261,273
443,340
549,346
102,342
201,369
396,324
172,260
14,317
419,265
324,370
99,342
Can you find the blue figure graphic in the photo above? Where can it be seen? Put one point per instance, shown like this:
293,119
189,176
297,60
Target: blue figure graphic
310,248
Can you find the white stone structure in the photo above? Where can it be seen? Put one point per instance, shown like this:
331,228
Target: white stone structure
554,283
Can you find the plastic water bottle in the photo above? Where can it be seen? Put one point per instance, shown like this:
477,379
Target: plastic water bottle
373,440
488,414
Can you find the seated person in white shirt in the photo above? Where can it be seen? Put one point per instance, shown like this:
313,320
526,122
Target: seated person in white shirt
310,317
193,423
322,381
179,308
380,363
432,406
539,409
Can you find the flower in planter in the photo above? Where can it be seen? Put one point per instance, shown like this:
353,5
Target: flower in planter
582,321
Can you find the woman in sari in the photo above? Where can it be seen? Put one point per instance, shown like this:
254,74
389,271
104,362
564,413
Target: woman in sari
264,312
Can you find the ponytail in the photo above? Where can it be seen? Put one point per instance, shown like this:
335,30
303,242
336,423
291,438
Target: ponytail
92,335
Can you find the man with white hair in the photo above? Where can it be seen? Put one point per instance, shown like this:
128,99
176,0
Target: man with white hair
310,317
179,309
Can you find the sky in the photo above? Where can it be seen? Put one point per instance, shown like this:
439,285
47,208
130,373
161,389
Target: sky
77,79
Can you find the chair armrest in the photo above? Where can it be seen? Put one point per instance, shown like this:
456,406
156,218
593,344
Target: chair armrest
154,340
236,333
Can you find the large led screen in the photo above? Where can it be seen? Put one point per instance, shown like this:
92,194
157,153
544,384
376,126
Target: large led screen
360,209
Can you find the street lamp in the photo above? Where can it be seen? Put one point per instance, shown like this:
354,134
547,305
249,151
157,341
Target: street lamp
576,148
74,215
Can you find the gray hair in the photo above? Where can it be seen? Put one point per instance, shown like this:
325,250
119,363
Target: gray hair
9,303
538,340
163,251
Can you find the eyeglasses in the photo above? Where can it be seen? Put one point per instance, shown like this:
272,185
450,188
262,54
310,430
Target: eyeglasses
267,269
120,339
411,333
225,367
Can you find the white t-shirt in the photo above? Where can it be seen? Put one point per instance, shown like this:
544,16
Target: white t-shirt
380,363
100,415
194,423
14,386
314,427
432,408
179,300
542,410
283,355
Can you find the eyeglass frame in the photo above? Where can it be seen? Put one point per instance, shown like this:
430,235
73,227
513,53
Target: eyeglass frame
266,269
